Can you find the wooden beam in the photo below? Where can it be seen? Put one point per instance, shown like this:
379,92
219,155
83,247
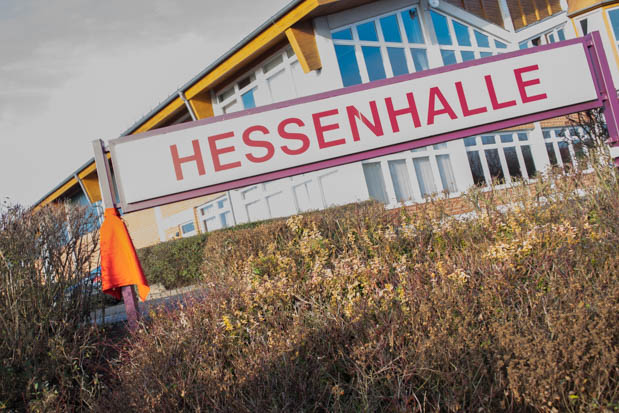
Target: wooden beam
303,41
202,105
160,116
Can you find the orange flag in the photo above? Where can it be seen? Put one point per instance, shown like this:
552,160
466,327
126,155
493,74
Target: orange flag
119,262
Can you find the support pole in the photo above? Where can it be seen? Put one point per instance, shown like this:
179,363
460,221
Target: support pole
608,91
104,173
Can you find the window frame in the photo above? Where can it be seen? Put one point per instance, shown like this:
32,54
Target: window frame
500,146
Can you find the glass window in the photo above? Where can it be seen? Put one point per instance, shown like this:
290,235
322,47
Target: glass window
441,28
462,34
367,32
375,54
412,26
447,174
551,154
188,227
420,59
248,99
391,29
374,180
494,165
500,45
500,158
347,61
584,28
485,54
467,55
398,61
482,39
401,180
345,34
425,177
613,15
374,62
449,57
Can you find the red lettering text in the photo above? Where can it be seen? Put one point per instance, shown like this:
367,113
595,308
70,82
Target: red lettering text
258,144
197,157
215,151
281,129
466,111
493,99
524,84
353,115
435,93
411,109
321,129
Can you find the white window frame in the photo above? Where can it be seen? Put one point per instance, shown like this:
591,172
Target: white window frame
382,44
516,143
475,48
214,214
543,36
188,233
570,134
431,152
259,82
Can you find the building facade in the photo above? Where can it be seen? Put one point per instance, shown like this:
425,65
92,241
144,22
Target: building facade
314,46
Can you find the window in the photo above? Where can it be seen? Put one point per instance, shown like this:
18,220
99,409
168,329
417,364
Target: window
188,229
613,16
410,176
272,81
460,42
386,46
216,214
565,147
555,35
500,158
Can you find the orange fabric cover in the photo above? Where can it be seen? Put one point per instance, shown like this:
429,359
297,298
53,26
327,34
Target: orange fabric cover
119,262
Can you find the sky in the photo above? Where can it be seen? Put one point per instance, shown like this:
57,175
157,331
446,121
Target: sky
72,71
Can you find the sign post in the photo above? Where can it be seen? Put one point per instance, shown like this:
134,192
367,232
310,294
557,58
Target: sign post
107,194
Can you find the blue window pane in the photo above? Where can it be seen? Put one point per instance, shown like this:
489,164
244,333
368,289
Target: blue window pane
523,136
462,34
248,99
614,21
391,29
189,227
551,38
467,55
398,60
485,54
500,45
420,58
367,32
345,34
440,28
374,62
561,34
488,139
412,26
523,45
470,141
482,39
349,68
507,138
449,57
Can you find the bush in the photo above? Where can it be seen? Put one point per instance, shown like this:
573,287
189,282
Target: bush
361,309
174,263
47,346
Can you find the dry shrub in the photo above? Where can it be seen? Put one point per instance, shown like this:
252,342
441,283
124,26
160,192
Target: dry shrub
47,346
358,309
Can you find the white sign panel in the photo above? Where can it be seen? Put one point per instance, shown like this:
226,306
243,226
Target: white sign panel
349,121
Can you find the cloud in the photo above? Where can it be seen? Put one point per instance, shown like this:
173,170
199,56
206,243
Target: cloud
76,70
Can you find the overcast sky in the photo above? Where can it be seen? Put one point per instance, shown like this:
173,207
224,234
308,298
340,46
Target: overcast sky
76,70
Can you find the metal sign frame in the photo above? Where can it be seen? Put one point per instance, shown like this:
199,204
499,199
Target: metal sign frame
598,66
